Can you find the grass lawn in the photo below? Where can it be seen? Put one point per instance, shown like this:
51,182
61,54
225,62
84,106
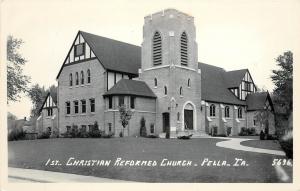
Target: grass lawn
34,154
263,144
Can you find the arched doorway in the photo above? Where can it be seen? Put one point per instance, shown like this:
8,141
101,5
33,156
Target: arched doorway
189,116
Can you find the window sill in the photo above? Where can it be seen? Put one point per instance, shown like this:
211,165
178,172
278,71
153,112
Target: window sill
70,87
181,96
155,87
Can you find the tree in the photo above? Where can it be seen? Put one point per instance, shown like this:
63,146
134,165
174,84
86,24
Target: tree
16,81
11,116
125,116
283,80
38,95
262,118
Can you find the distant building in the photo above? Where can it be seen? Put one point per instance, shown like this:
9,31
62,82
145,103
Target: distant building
48,118
161,81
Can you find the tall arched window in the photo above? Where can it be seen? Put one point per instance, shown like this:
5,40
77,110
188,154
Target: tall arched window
155,82
189,82
76,78
71,79
226,111
212,110
82,77
88,76
240,112
178,116
180,91
184,49
157,49
166,90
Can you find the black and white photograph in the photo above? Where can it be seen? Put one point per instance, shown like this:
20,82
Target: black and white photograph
148,91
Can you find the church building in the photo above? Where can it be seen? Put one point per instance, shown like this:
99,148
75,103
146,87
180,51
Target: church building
161,82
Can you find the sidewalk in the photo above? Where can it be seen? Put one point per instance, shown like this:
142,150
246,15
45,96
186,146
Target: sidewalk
20,175
234,143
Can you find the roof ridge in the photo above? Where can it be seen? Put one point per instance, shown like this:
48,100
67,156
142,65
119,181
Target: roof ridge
109,38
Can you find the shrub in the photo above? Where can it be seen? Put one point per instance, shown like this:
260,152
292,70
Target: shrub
262,135
185,136
286,143
17,133
228,130
45,135
152,136
243,132
251,131
271,137
143,130
221,135
95,132
66,135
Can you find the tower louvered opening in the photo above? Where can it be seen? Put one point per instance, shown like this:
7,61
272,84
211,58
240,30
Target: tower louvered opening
157,47
184,49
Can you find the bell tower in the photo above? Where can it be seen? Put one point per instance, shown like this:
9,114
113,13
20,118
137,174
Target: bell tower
170,68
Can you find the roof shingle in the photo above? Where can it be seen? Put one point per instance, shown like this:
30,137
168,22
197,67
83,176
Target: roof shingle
115,55
256,101
214,85
131,87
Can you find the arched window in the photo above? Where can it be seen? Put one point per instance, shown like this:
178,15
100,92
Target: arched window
166,90
189,82
82,77
88,76
155,82
212,110
240,112
183,49
76,78
71,79
157,49
226,111
178,116
180,91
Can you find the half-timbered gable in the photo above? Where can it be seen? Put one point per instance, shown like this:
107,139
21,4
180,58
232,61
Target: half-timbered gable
47,122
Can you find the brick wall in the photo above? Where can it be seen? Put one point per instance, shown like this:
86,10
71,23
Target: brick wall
94,90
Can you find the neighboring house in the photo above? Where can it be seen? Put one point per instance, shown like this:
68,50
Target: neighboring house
260,104
48,118
22,125
161,81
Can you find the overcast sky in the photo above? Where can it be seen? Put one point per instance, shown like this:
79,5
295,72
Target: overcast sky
230,34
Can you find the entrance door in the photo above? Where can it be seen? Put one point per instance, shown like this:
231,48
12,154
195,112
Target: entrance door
166,124
188,119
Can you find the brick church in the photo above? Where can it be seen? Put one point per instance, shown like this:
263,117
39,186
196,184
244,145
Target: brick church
161,81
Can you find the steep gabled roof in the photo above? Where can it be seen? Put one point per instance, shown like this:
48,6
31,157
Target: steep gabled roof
115,55
234,78
131,87
54,99
256,101
214,85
